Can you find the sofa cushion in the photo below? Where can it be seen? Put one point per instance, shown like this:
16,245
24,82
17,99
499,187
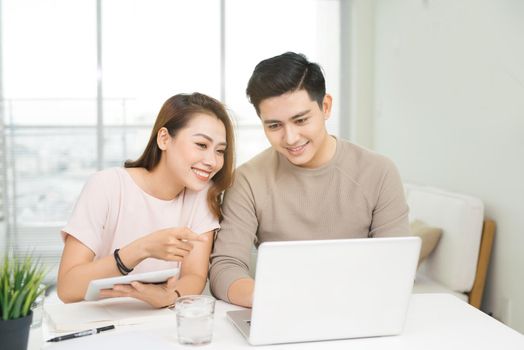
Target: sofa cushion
454,261
429,235
424,284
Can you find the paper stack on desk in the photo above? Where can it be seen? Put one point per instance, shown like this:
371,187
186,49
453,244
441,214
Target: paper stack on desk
92,314
129,341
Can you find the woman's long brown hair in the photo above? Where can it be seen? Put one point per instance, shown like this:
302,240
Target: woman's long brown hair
174,115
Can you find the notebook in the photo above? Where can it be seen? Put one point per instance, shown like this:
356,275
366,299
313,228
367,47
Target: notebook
329,289
136,340
91,314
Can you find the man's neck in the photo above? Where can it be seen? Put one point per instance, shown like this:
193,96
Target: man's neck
325,153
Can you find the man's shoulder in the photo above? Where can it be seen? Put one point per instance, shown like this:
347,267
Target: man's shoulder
359,157
260,163
363,165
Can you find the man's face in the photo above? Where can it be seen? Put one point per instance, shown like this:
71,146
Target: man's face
295,127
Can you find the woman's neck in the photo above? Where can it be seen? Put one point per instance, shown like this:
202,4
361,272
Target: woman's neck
158,183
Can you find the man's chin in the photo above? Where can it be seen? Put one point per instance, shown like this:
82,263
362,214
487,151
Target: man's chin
297,161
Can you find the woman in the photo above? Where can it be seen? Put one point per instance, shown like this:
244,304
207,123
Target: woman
158,212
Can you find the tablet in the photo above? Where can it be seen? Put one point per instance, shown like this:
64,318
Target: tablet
95,286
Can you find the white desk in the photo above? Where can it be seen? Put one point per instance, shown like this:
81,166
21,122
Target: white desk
434,321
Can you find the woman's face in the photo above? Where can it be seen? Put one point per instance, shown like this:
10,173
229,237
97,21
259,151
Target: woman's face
196,153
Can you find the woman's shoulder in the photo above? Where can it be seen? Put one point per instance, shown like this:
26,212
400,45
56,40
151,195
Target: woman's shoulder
195,211
107,176
108,179
193,195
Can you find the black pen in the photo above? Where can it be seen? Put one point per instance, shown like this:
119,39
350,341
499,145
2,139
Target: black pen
81,334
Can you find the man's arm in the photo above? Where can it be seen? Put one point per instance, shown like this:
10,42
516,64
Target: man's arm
241,292
390,216
229,272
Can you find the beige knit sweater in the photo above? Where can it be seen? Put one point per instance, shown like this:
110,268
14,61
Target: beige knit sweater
358,193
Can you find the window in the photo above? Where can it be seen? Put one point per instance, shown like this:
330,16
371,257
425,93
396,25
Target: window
63,118
256,30
48,111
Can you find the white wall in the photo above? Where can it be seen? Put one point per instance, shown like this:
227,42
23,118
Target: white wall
361,72
449,110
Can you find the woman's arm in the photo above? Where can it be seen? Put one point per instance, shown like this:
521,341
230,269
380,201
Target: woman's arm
193,277
77,267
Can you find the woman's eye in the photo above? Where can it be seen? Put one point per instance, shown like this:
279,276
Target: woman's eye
201,145
221,151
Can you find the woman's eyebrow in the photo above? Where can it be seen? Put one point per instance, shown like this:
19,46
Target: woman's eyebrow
210,139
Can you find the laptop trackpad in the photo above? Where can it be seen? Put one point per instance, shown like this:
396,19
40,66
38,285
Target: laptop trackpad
242,320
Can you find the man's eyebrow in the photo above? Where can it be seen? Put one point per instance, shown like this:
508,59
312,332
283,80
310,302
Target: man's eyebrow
301,114
210,139
296,116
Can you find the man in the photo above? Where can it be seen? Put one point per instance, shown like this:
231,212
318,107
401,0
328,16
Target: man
307,185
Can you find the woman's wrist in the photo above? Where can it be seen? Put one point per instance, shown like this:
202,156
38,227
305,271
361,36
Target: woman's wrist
124,270
174,295
138,249
132,254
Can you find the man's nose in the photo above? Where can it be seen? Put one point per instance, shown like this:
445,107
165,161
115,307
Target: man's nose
291,135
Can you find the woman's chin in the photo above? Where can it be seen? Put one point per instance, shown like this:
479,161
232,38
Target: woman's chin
197,185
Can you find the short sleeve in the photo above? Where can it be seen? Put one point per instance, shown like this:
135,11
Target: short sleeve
201,219
90,213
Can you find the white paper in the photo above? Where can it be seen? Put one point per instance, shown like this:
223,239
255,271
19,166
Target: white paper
92,314
128,341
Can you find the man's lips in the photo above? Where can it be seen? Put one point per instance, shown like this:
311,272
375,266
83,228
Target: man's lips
297,149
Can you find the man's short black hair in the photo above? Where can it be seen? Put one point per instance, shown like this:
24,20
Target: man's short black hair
285,73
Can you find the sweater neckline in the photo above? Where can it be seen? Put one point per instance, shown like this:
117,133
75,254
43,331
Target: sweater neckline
313,171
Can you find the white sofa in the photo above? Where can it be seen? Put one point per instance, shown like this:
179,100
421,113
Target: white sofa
458,265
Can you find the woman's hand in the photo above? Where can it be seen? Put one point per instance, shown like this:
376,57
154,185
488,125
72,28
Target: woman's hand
156,295
172,244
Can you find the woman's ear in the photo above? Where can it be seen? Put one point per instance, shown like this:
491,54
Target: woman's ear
163,138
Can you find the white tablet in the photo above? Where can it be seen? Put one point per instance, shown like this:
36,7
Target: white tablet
95,286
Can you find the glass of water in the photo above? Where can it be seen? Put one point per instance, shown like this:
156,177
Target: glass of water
38,309
194,314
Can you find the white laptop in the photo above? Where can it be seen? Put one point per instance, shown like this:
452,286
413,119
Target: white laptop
330,289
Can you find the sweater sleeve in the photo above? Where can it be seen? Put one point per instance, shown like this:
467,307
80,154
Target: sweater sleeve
232,249
390,215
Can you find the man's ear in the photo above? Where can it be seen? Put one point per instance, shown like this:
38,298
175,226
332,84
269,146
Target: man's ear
326,106
163,138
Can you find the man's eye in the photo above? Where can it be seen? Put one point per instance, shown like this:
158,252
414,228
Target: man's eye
301,120
272,126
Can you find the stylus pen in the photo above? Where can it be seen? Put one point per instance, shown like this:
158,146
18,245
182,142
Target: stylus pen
82,333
